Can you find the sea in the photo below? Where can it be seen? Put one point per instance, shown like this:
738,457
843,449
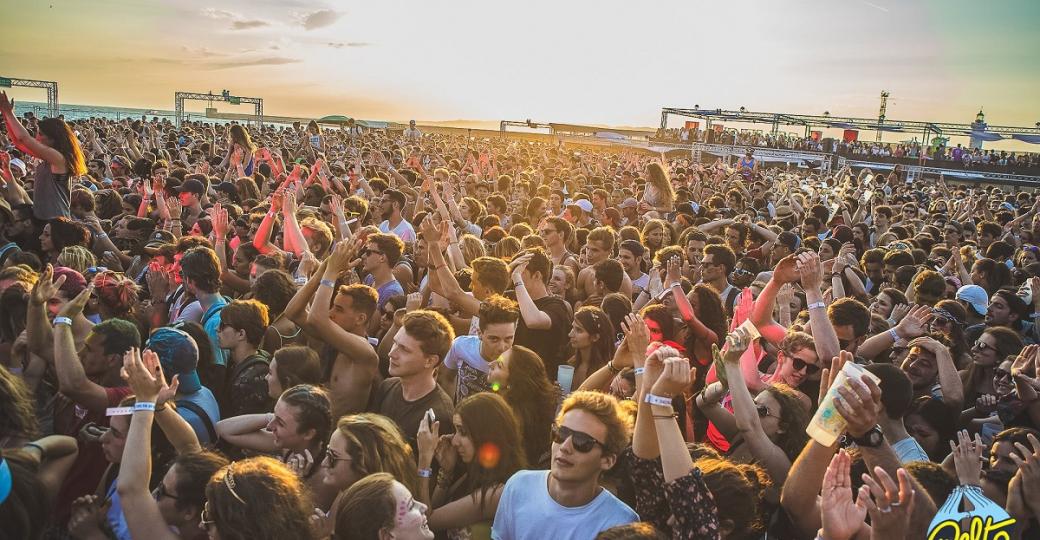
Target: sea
83,112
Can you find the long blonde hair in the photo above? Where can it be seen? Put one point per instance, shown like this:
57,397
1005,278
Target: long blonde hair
658,177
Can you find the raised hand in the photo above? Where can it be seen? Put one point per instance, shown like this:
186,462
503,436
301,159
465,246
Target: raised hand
46,287
426,440
967,458
637,337
915,323
173,206
220,222
898,312
736,343
786,270
841,516
413,301
74,307
675,378
859,403
1028,476
300,463
144,374
810,271
674,272
343,254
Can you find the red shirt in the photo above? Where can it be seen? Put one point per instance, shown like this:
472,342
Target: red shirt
83,478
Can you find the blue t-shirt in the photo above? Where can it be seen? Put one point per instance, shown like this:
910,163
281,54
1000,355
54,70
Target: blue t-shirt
208,403
114,516
387,290
909,450
211,323
527,512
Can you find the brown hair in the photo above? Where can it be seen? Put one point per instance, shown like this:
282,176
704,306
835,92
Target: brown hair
605,408
431,330
490,423
737,490
491,272
250,316
366,508
376,445
258,498
794,416
298,365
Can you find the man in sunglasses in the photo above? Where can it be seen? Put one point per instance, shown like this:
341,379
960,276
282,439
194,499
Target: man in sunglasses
567,500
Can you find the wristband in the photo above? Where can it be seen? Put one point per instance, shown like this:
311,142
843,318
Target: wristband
660,401
36,446
301,280
328,283
817,305
517,285
1034,314
144,406
675,284
425,473
101,235
892,322
639,370
895,335
62,320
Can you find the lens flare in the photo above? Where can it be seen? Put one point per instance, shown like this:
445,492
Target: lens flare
488,455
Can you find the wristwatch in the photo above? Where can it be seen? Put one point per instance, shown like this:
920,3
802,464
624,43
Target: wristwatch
871,439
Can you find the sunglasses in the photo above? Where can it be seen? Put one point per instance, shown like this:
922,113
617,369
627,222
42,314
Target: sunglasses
332,459
763,411
366,252
999,374
160,492
843,344
582,442
799,364
983,346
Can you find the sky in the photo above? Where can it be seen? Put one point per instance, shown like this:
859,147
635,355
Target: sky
605,62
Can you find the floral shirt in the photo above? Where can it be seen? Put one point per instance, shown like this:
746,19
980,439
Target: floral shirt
686,499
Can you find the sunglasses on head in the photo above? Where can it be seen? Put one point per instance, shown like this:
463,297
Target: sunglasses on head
582,442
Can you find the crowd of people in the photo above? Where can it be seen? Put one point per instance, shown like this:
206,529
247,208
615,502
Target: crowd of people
952,156
245,332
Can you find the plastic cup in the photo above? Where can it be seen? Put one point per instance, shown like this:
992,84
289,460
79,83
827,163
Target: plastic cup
565,376
827,424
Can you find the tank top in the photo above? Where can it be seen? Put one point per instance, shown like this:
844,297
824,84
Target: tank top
52,193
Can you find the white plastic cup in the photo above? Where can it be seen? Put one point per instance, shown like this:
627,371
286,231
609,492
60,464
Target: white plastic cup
565,377
828,424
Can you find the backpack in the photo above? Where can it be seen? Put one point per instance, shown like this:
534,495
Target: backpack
193,407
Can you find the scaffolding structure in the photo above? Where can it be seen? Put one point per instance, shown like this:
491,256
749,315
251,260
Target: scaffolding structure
52,91
181,97
826,120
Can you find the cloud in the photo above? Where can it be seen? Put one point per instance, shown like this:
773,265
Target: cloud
319,19
264,61
203,52
246,25
213,13
340,45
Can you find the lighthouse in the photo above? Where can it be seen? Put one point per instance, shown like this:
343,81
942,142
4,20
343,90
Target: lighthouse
979,125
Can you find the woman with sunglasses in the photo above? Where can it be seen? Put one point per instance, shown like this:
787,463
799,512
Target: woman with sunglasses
993,346
949,321
475,462
177,502
772,424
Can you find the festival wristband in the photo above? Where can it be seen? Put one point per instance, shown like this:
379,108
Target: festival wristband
144,406
817,305
660,401
893,334
328,283
62,320
119,411
639,370
425,473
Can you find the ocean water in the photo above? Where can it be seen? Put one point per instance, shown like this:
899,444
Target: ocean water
81,112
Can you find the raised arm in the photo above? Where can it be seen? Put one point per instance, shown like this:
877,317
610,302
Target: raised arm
292,235
72,379
534,318
745,410
140,508
22,139
248,431
823,333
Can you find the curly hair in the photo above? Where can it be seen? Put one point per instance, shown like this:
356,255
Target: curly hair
258,498
737,490
117,295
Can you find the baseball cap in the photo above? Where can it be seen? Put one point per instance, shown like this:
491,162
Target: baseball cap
192,185
976,296
179,355
158,239
74,281
19,164
628,203
584,204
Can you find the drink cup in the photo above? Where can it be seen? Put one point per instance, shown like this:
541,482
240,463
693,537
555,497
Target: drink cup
565,376
827,424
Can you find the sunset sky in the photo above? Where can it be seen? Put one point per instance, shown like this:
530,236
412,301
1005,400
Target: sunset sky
605,62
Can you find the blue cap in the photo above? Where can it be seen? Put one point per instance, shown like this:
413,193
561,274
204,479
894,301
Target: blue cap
179,355
976,296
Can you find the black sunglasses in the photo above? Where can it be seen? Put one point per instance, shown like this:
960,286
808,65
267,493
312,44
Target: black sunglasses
763,411
982,345
1001,374
799,364
160,492
582,442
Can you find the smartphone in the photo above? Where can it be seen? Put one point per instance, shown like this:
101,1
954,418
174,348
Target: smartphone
431,417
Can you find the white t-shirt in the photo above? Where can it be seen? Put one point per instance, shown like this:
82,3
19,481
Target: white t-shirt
465,357
527,512
403,230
